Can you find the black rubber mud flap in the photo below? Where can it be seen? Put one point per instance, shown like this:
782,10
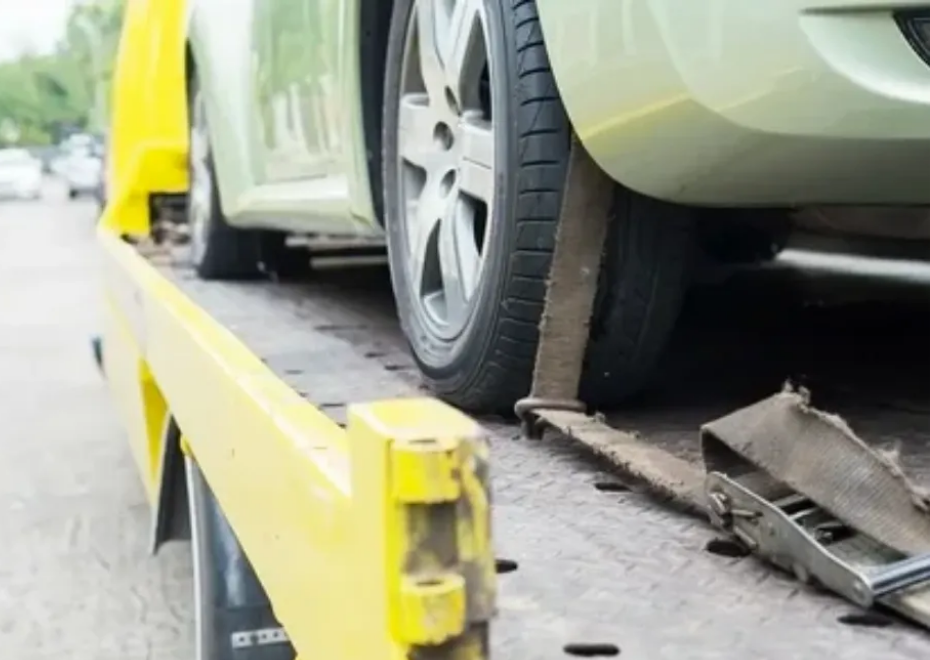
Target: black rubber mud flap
234,618
171,517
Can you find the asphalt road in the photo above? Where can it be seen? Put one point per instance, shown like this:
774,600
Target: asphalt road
76,579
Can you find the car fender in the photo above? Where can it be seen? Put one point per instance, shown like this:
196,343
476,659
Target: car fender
219,40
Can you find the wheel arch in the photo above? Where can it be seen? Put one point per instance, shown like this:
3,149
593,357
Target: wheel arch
374,25
218,68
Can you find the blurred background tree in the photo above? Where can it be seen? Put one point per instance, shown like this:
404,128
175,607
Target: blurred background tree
48,96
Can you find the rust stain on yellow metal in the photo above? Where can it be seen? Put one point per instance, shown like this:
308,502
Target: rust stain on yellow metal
432,596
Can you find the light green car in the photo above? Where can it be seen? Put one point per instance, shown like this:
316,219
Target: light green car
443,126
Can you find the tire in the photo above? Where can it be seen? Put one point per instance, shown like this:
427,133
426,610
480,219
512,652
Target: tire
645,271
218,250
229,600
488,365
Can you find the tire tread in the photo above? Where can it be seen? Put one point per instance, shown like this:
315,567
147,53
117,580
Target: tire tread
641,278
543,131
232,253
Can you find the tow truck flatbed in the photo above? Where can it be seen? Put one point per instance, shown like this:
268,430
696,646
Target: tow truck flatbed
282,427
598,565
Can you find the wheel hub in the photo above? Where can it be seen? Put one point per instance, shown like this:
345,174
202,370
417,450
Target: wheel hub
446,146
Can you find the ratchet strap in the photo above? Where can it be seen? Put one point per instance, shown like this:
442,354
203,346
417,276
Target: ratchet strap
793,484
570,289
563,336
797,487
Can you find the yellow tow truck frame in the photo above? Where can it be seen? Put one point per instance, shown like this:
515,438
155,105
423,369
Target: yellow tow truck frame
344,527
373,539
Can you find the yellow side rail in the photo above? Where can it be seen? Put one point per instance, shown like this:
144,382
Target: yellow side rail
348,529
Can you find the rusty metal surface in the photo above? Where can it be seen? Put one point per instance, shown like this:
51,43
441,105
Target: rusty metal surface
594,565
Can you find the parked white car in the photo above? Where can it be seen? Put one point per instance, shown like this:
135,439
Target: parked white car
82,170
20,174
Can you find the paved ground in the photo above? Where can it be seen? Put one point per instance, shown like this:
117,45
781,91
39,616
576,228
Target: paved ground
76,581
604,569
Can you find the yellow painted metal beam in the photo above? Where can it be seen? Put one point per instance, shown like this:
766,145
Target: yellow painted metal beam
372,540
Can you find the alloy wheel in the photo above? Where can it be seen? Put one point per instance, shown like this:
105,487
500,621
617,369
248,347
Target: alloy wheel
446,149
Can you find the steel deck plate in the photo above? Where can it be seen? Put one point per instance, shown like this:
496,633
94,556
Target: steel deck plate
604,567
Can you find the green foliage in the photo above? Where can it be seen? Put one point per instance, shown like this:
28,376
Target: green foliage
45,96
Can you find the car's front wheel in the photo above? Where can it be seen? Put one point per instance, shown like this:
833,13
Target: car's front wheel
217,249
476,146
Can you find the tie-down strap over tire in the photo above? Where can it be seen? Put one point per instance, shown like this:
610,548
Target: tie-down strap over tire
570,289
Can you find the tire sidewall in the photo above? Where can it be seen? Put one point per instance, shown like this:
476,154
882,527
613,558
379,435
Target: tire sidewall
197,252
452,364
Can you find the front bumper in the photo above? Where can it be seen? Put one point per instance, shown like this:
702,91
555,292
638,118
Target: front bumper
747,103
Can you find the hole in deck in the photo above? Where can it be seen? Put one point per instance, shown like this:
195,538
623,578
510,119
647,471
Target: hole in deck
592,650
726,548
396,367
505,566
611,487
336,327
866,619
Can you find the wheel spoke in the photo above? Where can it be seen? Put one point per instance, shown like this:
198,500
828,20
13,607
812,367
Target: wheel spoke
422,218
446,153
450,264
467,249
477,159
415,129
461,59
430,64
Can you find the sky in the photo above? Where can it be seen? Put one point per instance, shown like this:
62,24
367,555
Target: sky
31,24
